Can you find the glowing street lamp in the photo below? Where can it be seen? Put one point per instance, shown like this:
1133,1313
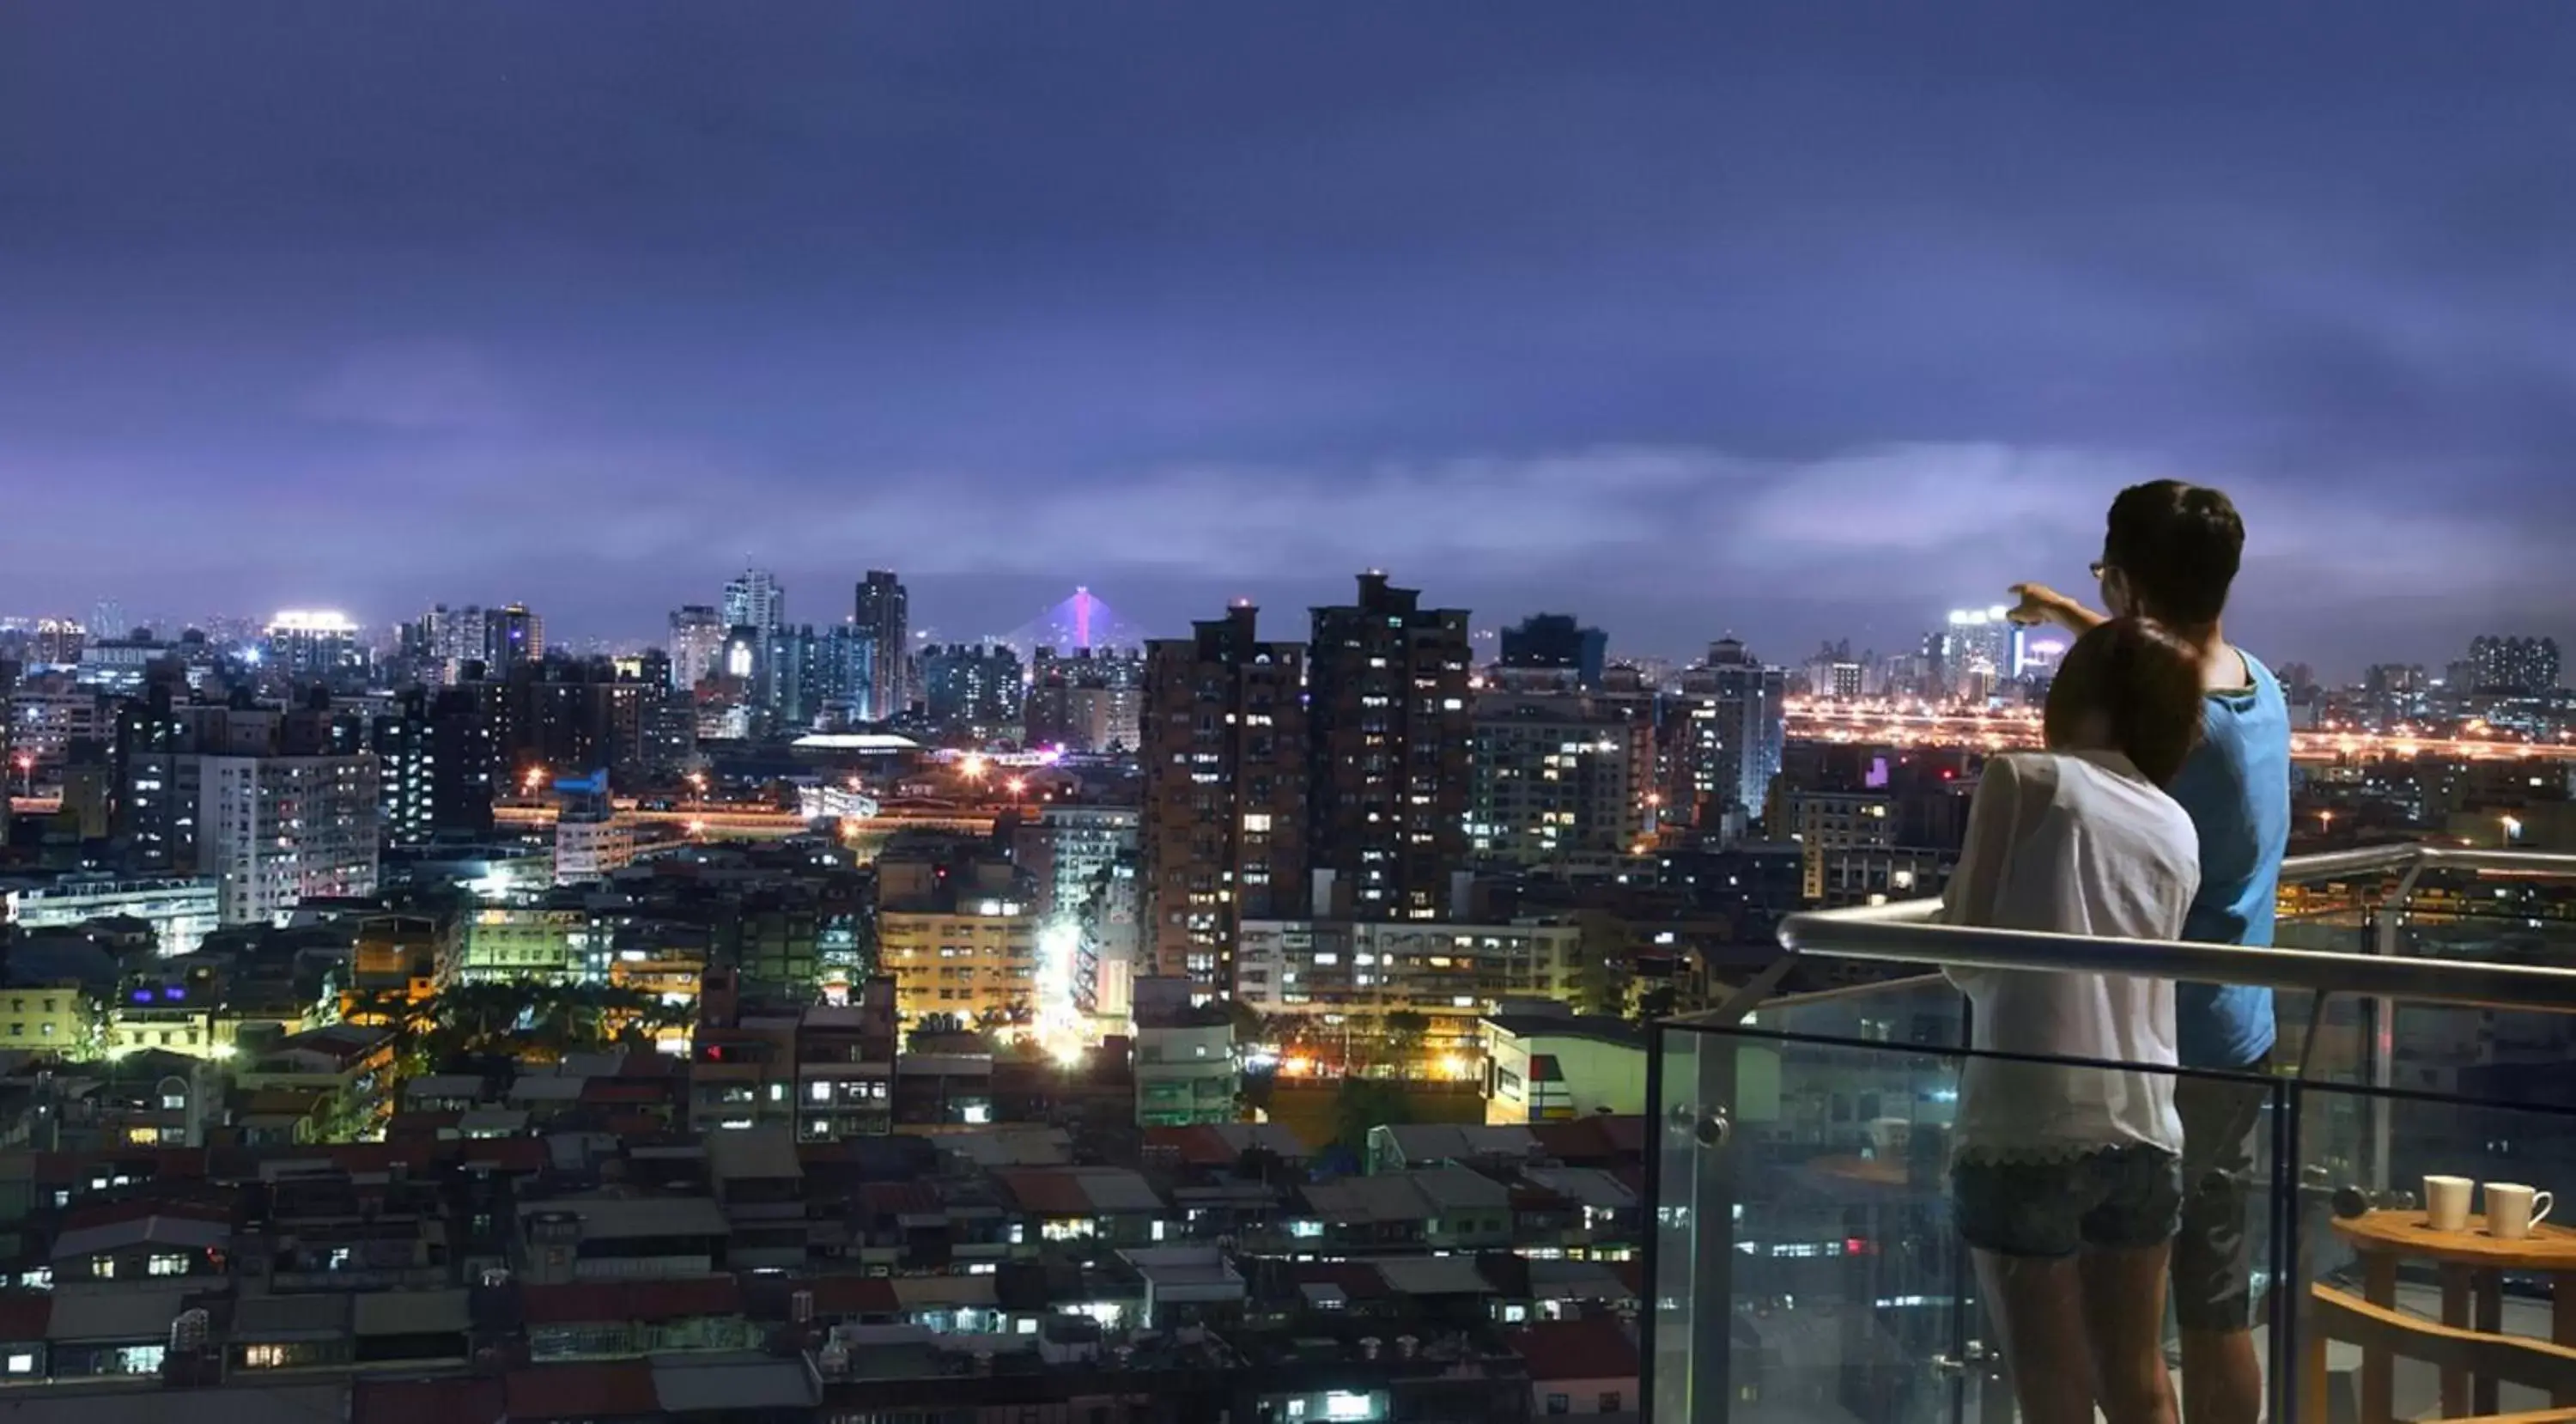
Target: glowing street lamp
973,766
1017,785
27,771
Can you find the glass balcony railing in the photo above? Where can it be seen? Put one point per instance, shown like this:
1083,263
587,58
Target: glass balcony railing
1805,1264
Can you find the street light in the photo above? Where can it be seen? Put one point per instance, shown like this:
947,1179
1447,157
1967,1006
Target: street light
2512,828
27,772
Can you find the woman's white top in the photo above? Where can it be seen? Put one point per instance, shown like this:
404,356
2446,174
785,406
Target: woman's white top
2073,844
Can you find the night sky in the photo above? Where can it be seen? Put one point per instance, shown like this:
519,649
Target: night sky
1797,319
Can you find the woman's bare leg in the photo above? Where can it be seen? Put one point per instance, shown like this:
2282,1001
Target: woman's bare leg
2124,1316
2038,1309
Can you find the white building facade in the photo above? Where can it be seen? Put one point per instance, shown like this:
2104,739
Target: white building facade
275,830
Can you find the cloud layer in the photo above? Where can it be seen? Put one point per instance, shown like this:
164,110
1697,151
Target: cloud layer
1806,321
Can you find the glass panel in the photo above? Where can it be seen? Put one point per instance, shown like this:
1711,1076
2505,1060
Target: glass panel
1816,1271
1810,1266
1673,1254
2336,1046
1919,1011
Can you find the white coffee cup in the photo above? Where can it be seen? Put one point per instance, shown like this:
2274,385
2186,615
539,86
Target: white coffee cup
2446,1202
2513,1209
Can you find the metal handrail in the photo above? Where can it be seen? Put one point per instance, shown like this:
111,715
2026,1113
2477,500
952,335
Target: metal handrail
2466,983
1901,932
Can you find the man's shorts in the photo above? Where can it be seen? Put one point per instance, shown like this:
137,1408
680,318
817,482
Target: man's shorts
2213,1255
2115,1199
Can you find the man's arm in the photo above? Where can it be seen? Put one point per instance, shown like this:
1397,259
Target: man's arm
2038,603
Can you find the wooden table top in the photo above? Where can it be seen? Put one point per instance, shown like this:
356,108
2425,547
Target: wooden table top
2549,1247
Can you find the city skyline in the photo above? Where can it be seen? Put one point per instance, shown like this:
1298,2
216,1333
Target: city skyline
1051,627
1059,625
511,303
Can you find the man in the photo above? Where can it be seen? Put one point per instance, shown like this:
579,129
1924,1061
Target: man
2170,552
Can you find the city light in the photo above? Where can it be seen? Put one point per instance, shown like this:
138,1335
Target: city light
973,766
1059,1024
311,620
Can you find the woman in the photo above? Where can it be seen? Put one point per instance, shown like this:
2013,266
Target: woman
2067,1179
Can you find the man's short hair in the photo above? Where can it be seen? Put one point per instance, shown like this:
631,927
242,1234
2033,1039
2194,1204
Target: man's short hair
2178,545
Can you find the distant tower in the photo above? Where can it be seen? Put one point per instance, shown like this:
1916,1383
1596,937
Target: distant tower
697,644
1223,836
881,613
512,634
1387,685
754,600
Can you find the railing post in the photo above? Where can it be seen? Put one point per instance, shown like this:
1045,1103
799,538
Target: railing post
1689,1375
2288,1309
2390,943
1715,1195
1652,1381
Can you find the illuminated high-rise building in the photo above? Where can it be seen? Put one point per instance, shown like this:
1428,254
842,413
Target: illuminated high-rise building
753,599
881,615
1731,727
797,682
1086,701
975,688
2526,667
281,829
1389,732
1976,652
697,643
446,639
437,760
305,646
1559,780
1223,836
56,642
512,634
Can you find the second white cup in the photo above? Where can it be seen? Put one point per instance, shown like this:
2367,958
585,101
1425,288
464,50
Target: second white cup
2513,1209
